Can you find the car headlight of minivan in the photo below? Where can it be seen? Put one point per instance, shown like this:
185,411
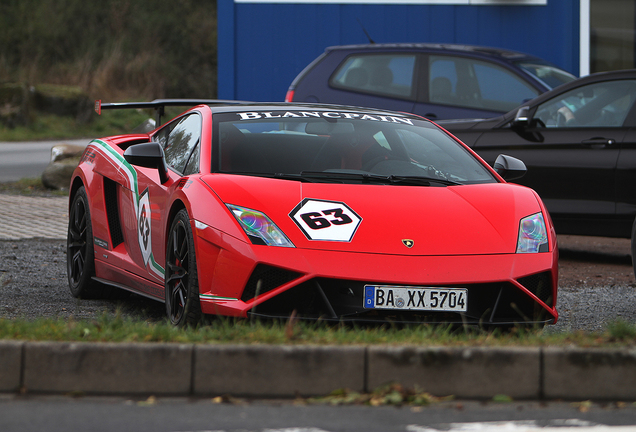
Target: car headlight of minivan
259,228
533,235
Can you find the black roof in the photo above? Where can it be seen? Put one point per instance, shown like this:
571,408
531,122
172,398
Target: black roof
475,49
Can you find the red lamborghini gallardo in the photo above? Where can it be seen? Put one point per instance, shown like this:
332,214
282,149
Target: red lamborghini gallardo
336,213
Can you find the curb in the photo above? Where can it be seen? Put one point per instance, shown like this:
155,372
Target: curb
265,371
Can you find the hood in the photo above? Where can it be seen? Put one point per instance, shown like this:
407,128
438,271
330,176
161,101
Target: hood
386,219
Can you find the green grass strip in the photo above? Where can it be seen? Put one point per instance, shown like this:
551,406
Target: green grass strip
117,328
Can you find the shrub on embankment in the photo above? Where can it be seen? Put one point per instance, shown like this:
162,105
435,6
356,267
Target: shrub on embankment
111,50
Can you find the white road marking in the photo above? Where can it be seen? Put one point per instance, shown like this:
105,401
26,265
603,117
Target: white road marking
574,425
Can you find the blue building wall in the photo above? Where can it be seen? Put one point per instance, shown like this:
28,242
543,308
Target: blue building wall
262,47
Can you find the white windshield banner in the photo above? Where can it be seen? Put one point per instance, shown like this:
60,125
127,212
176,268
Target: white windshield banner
256,115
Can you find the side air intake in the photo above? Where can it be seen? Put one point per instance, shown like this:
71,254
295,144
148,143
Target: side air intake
112,212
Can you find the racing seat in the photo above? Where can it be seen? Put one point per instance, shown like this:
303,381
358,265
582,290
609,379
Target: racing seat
346,151
330,154
237,155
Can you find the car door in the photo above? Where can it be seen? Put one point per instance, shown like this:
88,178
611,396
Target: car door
571,146
465,87
626,175
180,142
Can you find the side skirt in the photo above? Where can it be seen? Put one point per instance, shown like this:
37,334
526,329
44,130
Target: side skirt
128,281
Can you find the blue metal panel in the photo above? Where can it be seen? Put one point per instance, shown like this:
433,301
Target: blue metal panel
262,47
225,49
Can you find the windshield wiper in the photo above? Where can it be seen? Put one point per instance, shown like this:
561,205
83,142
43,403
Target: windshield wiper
419,180
283,176
354,177
334,176
375,178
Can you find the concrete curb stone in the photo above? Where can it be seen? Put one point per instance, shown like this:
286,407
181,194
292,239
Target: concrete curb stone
10,365
470,372
262,371
277,371
580,373
108,368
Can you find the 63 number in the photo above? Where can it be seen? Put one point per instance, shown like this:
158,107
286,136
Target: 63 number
316,220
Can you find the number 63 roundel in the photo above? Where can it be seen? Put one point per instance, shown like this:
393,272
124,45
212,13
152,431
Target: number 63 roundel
326,220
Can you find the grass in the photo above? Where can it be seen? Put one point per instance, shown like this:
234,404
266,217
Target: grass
118,328
48,126
29,187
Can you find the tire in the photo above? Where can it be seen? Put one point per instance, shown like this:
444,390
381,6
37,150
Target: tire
80,253
634,247
183,306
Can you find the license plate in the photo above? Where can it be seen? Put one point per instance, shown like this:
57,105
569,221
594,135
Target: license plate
415,298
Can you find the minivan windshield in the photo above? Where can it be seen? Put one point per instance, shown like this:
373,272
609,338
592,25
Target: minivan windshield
550,75
342,146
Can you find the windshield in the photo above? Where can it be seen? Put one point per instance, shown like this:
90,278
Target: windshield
347,146
550,75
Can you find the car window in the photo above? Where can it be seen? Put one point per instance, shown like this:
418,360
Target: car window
294,142
477,84
604,104
181,142
162,135
386,74
192,167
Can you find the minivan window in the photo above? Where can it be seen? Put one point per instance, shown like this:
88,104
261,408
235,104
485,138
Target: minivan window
385,74
547,74
472,83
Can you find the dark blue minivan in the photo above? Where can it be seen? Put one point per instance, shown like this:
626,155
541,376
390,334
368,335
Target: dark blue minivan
437,81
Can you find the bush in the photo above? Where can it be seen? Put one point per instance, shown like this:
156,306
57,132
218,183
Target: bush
112,49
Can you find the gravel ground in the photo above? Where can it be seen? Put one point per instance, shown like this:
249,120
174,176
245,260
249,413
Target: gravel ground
33,284
597,284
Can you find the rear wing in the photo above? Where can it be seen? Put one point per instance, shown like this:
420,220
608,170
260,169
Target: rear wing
159,105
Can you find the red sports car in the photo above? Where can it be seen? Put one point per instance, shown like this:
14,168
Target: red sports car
336,213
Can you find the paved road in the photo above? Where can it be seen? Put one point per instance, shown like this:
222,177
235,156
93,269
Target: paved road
62,414
27,159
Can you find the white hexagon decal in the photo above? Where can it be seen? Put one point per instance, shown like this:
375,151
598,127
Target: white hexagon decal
326,220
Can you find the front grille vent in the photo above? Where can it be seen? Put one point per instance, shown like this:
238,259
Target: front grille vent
539,285
269,278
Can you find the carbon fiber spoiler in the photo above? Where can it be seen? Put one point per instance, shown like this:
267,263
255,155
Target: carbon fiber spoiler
159,105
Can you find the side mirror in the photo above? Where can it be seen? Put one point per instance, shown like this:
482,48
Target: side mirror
522,118
509,168
148,155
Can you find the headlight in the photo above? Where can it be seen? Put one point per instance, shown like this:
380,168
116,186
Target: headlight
259,228
533,236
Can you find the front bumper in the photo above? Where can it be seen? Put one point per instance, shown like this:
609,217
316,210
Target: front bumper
274,282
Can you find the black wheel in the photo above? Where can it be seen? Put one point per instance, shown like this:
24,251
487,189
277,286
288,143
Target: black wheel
182,286
80,255
634,247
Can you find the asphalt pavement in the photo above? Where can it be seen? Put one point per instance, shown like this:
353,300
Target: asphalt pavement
29,158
